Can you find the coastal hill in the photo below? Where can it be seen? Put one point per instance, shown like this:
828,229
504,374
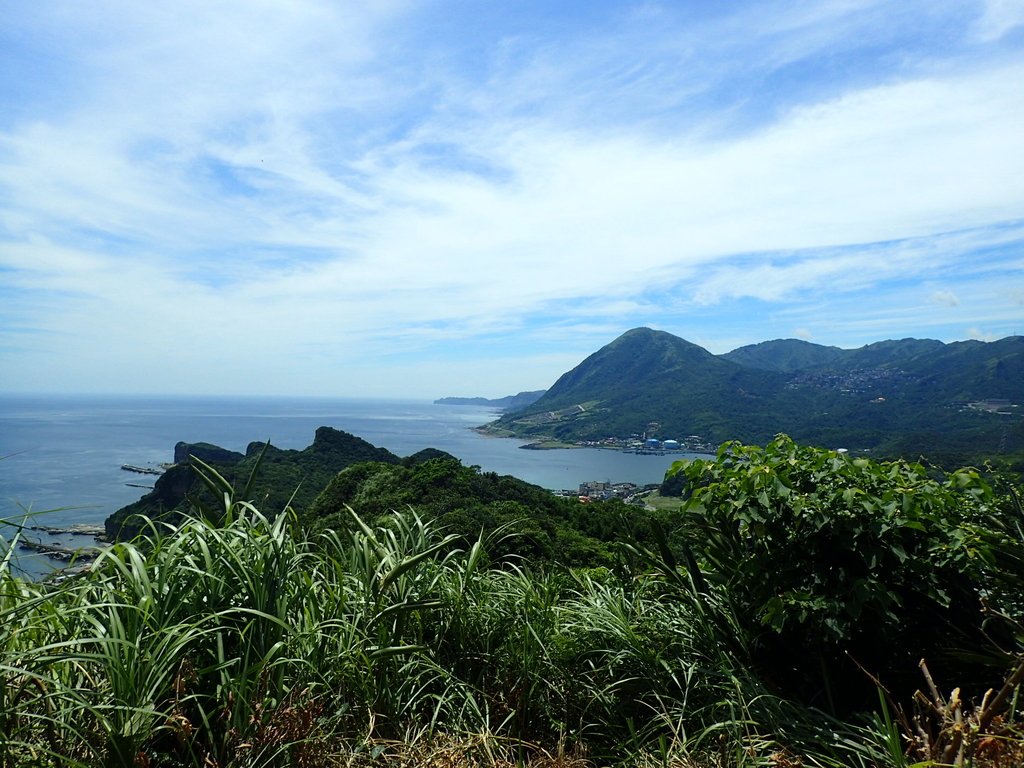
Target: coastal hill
285,477
910,397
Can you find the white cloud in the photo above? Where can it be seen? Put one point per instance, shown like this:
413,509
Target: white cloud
980,335
297,181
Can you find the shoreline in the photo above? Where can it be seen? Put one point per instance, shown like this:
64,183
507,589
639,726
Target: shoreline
60,551
553,444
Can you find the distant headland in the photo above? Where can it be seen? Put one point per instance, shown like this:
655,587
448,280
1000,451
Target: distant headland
507,403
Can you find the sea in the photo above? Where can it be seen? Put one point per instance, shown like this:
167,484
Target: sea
61,456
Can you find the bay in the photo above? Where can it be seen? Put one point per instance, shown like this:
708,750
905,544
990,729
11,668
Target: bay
61,457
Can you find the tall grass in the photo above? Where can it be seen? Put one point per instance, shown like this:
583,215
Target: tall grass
231,639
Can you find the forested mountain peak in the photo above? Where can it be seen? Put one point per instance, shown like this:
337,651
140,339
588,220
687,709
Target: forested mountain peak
627,363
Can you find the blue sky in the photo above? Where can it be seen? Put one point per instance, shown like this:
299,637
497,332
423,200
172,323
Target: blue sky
417,199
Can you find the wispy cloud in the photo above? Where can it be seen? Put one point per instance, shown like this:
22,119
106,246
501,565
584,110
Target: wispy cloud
999,18
276,196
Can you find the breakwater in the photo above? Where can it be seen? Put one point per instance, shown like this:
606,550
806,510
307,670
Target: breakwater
141,470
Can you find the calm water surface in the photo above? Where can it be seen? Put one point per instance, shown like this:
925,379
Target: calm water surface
60,457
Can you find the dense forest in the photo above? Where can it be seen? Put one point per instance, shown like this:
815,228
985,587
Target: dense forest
798,607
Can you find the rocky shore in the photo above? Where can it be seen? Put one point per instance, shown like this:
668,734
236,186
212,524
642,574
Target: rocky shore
63,551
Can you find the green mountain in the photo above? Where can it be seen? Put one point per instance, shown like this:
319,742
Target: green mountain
952,402
790,355
888,353
972,370
649,382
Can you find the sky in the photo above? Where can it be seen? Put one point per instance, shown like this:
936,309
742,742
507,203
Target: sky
422,199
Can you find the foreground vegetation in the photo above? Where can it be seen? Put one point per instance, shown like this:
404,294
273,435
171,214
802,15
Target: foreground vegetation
777,622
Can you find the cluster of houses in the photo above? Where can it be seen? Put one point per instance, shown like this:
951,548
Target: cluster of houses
852,382
597,490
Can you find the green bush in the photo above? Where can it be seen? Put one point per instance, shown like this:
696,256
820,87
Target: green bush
836,561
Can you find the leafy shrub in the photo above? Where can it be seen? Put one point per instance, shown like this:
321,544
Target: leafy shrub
827,555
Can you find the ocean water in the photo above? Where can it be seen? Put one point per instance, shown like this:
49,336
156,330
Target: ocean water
61,457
